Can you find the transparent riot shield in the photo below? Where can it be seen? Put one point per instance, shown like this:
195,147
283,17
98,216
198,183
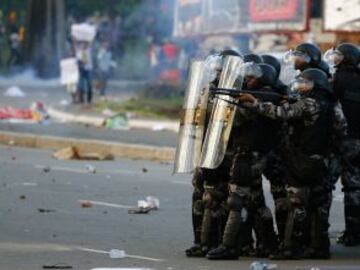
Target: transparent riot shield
222,116
192,121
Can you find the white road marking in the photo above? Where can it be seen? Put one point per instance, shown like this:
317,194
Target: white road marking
108,204
65,169
127,255
76,170
29,184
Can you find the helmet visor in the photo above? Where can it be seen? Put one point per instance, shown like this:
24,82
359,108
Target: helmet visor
333,57
214,62
250,69
296,56
301,85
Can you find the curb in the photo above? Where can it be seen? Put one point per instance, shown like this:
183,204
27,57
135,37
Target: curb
134,151
68,117
99,121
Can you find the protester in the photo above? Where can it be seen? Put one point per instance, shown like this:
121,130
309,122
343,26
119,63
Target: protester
103,68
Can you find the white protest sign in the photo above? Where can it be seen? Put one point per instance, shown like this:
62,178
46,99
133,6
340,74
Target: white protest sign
69,71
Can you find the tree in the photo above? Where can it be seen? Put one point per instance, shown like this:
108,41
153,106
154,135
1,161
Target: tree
45,36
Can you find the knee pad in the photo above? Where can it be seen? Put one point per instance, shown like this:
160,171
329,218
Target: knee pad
297,196
299,215
264,214
198,207
234,202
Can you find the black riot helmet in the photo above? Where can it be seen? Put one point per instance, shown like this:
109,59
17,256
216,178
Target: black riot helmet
268,76
310,50
272,61
324,66
229,52
252,57
317,76
350,52
216,61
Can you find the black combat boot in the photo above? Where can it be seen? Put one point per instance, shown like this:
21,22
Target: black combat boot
349,239
196,251
223,253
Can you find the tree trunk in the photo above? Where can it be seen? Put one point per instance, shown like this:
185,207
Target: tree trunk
45,36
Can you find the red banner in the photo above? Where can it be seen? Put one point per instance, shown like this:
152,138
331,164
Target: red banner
272,10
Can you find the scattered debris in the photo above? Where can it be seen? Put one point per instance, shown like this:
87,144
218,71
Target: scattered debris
66,153
139,210
117,254
12,113
14,91
105,212
57,266
144,170
145,206
118,121
46,169
262,266
39,113
86,204
73,152
153,202
13,158
42,210
108,112
36,114
90,168
22,197
11,142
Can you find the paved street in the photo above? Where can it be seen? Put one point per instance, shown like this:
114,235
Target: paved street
51,94
81,237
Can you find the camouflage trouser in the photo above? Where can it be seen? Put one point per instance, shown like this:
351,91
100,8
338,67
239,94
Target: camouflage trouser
335,168
209,196
351,185
214,201
309,198
197,208
246,202
320,200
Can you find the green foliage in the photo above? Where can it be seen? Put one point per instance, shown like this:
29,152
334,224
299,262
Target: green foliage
86,7
168,108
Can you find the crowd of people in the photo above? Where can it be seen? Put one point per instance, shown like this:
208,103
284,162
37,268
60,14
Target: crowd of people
11,39
302,137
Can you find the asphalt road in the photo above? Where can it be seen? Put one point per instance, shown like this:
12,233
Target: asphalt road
82,237
52,94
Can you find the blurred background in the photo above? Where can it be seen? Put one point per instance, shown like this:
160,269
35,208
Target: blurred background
140,49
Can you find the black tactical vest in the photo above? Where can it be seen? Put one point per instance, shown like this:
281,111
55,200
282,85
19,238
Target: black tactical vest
312,133
347,87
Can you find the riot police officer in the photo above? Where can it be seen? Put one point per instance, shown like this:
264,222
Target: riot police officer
210,190
345,59
274,170
306,55
246,172
310,127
